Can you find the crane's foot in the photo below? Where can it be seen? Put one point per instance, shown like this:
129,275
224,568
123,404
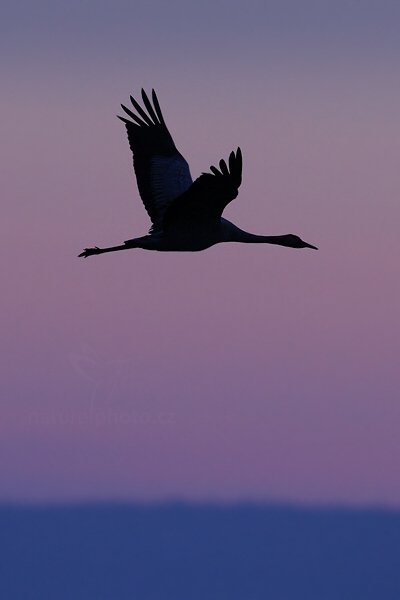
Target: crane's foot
89,251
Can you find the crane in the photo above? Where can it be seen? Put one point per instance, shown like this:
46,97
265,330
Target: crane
186,215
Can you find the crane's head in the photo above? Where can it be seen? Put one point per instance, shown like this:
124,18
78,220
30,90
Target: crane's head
293,241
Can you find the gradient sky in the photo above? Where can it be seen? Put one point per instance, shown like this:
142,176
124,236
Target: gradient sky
243,372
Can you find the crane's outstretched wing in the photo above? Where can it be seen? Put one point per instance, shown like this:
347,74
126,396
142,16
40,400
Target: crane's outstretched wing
207,197
161,171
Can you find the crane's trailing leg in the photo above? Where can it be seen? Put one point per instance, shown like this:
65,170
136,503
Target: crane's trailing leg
96,250
145,241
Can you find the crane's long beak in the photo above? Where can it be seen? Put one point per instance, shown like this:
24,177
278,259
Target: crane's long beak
310,246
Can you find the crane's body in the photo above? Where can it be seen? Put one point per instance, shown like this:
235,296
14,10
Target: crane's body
186,216
189,239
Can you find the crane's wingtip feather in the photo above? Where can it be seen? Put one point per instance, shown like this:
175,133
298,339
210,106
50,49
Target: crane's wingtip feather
128,112
223,167
146,119
157,107
150,109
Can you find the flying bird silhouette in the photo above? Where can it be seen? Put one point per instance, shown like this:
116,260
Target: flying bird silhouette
186,215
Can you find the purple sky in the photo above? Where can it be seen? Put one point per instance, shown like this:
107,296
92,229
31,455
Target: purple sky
242,372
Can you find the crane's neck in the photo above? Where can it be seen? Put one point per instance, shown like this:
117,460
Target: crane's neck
251,238
238,235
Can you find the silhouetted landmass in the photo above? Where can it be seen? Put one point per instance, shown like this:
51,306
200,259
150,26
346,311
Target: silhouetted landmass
182,552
